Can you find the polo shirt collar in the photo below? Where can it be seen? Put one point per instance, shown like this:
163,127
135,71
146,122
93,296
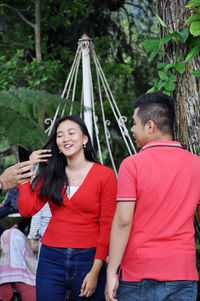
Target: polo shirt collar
161,143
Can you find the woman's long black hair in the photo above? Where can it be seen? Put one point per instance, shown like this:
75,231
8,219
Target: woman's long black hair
52,173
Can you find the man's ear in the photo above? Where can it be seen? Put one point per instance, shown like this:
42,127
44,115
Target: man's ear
151,126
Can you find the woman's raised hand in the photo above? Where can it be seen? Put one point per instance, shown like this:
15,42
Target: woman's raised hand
40,155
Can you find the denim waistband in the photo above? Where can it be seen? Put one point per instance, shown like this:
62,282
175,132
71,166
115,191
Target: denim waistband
75,249
71,250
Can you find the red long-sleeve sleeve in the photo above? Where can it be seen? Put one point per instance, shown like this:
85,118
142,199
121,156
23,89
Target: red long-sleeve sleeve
28,201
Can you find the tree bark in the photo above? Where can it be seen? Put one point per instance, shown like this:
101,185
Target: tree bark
38,31
38,53
174,14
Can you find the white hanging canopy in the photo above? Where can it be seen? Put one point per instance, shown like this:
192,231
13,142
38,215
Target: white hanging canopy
85,50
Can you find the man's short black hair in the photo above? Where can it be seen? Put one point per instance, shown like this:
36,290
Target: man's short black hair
157,107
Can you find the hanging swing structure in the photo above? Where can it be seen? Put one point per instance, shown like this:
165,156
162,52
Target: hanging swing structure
90,109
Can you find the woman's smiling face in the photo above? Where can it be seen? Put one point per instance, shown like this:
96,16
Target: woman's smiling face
69,138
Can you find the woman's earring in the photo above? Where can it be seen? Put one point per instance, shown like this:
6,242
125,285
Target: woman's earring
84,145
60,151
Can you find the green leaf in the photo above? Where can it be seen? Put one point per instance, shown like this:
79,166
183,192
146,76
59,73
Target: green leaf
196,73
180,67
172,78
153,89
197,11
177,36
160,86
184,32
198,151
166,92
161,65
168,66
195,28
151,44
169,86
163,75
194,17
156,82
192,53
181,57
153,54
193,41
162,22
193,3
167,38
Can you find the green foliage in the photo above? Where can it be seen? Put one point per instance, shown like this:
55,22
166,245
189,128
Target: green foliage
11,70
198,150
16,72
42,74
62,24
194,19
2,196
187,36
118,46
20,113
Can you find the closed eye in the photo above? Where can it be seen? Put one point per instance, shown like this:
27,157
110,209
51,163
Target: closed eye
59,136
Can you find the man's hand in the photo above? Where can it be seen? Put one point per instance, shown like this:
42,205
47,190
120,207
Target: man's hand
111,287
17,174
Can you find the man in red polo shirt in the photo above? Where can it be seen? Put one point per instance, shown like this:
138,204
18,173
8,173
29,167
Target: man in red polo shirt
152,237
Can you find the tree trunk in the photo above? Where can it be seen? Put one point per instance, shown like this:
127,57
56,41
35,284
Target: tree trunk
39,55
38,31
174,14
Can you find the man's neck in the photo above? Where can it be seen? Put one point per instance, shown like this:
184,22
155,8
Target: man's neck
162,137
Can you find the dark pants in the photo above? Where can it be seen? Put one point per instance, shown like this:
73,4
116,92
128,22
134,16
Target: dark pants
5,211
152,290
61,270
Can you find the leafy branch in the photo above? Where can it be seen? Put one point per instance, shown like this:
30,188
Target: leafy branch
188,37
19,14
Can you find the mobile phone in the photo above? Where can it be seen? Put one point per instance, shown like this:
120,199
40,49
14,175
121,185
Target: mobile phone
23,153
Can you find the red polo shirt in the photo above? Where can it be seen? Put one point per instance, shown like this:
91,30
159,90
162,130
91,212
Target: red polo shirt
164,181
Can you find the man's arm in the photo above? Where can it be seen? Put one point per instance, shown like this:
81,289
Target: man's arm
120,232
16,174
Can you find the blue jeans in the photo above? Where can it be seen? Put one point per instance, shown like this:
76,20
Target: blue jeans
63,269
152,290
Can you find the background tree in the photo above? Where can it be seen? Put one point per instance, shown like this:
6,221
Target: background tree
118,46
175,14
180,69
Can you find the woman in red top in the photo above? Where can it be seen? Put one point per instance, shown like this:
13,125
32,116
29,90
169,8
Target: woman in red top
81,194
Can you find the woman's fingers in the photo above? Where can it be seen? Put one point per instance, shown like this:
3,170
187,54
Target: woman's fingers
40,155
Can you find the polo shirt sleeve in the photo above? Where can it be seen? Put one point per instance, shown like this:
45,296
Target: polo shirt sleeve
126,189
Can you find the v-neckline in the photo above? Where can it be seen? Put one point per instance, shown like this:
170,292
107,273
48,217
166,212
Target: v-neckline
79,187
